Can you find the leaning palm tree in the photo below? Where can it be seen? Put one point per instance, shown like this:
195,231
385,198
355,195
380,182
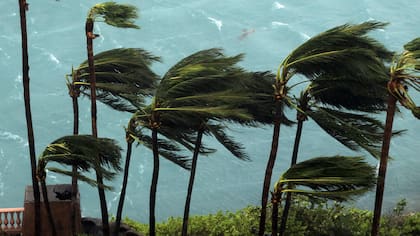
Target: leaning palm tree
341,51
119,15
168,150
337,178
322,101
185,103
123,79
80,151
404,73
23,7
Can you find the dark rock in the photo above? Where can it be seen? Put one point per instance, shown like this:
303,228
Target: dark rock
93,227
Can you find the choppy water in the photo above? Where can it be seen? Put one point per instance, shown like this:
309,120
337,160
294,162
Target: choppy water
173,30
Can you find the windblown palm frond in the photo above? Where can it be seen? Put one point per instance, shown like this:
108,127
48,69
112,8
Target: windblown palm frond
355,131
342,92
83,150
405,73
343,50
115,14
338,178
123,76
167,149
218,131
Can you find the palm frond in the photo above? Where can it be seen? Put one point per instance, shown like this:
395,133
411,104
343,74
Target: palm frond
337,177
115,14
123,75
97,153
218,131
355,131
79,176
169,150
197,72
405,73
343,50
347,92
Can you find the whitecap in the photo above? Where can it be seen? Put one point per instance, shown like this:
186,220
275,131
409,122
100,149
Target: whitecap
53,58
217,22
278,23
6,135
278,5
305,36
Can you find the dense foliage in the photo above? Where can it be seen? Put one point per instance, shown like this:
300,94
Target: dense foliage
306,218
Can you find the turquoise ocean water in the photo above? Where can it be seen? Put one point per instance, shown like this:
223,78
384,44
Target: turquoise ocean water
173,30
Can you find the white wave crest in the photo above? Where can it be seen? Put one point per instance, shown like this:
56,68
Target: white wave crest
53,58
278,23
6,135
217,22
305,36
278,5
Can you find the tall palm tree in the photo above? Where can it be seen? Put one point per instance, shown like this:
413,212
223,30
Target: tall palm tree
404,73
23,7
341,51
123,80
79,151
338,178
119,15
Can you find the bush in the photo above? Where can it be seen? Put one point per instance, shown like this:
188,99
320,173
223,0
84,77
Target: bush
306,218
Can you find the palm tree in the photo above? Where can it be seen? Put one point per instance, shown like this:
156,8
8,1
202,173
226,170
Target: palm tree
184,102
404,73
42,175
78,151
119,15
168,150
23,7
81,151
323,99
343,51
337,178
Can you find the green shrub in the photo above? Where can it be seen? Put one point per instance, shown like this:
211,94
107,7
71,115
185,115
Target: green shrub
306,218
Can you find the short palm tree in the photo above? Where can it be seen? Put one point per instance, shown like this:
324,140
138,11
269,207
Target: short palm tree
337,178
343,51
23,7
78,151
119,15
404,73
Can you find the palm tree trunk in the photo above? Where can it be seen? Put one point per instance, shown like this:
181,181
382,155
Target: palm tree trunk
73,199
23,6
287,204
380,186
275,199
124,187
47,207
270,166
153,186
74,93
191,181
92,77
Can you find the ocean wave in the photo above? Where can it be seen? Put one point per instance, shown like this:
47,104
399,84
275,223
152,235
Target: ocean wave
278,23
277,5
6,135
217,22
